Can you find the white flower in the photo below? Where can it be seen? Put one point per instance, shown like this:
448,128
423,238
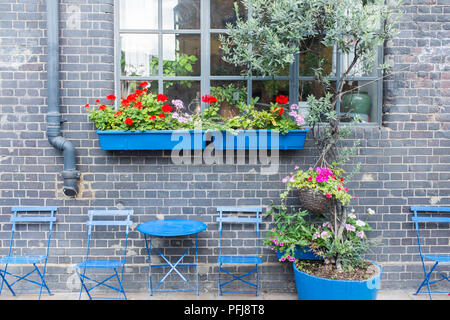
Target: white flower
370,211
360,223
352,216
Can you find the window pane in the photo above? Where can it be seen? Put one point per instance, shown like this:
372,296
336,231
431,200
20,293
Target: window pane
312,87
137,54
268,90
138,14
186,91
128,87
362,101
181,14
222,12
357,69
218,66
181,54
229,94
312,52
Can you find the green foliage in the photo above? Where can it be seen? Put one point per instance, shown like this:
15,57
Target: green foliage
229,94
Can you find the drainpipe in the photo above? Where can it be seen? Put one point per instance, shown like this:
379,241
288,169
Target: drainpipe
70,174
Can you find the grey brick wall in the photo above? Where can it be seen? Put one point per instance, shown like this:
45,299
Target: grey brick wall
404,162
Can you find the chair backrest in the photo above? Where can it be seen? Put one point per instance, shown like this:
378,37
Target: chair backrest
27,215
228,215
109,218
416,218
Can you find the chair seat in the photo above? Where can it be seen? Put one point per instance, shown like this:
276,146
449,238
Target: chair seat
240,259
100,264
22,259
437,257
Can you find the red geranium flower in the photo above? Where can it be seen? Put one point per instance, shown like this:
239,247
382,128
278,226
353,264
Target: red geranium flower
118,113
102,107
166,108
111,97
279,110
138,105
139,92
87,105
161,97
209,99
282,99
143,84
97,100
128,121
162,115
153,117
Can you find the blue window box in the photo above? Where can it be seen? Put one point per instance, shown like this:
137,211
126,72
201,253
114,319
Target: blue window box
260,139
151,140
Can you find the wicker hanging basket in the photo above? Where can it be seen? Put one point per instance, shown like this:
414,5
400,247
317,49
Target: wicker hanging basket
313,200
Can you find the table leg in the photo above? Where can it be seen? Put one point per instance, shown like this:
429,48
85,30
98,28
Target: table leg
196,258
149,250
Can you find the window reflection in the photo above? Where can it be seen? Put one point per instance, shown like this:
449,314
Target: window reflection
181,55
181,14
137,53
139,14
222,13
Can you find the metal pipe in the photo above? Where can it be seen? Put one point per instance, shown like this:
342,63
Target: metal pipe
70,174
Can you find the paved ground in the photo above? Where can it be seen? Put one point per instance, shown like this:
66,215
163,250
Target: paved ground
382,295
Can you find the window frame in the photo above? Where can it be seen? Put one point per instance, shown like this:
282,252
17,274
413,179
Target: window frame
205,76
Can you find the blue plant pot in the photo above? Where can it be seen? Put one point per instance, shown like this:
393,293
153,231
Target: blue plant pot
314,288
151,140
302,253
260,139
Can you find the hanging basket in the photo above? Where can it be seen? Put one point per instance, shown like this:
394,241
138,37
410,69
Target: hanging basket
313,200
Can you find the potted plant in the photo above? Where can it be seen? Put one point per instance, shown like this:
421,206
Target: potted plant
148,121
270,38
145,121
277,127
293,237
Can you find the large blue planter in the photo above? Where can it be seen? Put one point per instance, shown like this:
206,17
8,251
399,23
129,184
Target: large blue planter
302,253
151,140
260,139
314,288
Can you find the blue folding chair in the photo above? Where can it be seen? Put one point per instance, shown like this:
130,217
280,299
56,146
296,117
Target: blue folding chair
23,217
227,260
105,218
436,258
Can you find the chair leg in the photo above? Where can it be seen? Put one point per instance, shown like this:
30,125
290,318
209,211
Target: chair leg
3,275
120,285
427,279
43,283
83,286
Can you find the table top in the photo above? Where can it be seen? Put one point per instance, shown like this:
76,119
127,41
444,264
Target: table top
171,227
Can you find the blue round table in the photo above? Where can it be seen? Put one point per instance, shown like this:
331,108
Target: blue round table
171,228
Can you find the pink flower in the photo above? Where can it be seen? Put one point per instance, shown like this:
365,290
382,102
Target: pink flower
328,195
360,234
285,179
310,178
350,227
325,234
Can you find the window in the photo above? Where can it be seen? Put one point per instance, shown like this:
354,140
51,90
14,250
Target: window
174,45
